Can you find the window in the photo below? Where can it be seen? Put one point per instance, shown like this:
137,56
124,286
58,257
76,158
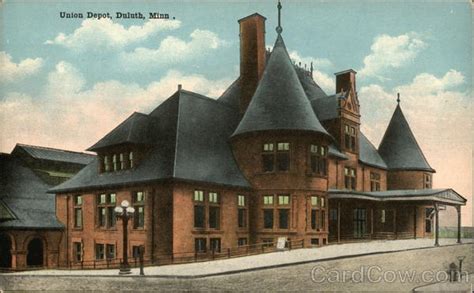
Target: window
268,219
382,216
283,156
427,181
374,181
214,217
135,251
242,211
322,220
122,161
99,251
350,135
280,154
283,218
200,244
267,242
314,217
268,199
268,157
77,250
105,210
114,162
333,214
349,178
283,199
199,209
241,241
315,241
106,163
213,198
215,244
130,160
318,213
318,159
314,201
110,251
139,205
78,211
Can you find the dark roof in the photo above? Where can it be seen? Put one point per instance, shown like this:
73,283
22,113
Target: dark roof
334,151
327,108
368,154
24,196
446,195
311,88
190,142
133,130
231,96
45,153
399,148
279,102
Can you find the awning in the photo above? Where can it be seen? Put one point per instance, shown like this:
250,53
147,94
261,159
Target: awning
445,196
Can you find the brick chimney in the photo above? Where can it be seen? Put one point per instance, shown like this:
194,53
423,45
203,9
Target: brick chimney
252,56
345,80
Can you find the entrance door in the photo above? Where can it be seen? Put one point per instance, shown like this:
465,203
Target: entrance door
5,251
35,253
360,223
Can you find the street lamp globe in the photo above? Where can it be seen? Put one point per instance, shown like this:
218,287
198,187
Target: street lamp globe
130,210
118,210
125,204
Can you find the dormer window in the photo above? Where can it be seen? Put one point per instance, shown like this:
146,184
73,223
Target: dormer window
106,163
117,161
130,159
122,161
114,162
427,181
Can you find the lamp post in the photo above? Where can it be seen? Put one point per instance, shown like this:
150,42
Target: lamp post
460,258
124,212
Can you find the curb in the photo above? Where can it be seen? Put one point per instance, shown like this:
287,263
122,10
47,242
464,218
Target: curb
231,272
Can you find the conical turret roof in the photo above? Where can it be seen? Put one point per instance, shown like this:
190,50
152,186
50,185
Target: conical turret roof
279,102
399,148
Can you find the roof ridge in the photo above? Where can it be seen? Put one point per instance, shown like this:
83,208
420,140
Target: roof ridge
203,97
52,149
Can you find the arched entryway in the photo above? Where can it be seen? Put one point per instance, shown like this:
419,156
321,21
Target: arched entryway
35,253
5,251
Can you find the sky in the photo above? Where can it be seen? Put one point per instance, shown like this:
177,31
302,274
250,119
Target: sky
66,82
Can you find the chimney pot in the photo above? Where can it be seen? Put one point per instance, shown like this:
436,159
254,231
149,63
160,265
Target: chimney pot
180,86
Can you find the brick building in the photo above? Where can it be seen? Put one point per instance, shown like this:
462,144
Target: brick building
30,233
274,156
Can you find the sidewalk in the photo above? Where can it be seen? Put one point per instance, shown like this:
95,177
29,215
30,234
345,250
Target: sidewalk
263,261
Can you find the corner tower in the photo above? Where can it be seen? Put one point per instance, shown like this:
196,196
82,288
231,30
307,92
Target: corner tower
407,166
281,148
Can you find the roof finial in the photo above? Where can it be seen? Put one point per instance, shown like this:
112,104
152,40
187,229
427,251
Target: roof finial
279,29
398,98
311,68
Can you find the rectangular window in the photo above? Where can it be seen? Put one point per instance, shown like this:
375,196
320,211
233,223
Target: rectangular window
241,200
199,216
99,251
105,210
110,251
283,217
318,160
200,245
268,219
102,198
77,249
283,199
315,241
213,197
314,217
198,195
349,178
268,157
268,199
111,219
314,201
283,156
78,211
106,163
429,213
102,220
122,161
427,180
333,214
242,241
135,251
242,218
214,217
322,220
130,160
114,162
350,137
139,205
382,216
374,181
215,244
268,242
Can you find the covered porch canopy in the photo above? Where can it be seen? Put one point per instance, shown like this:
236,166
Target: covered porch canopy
434,197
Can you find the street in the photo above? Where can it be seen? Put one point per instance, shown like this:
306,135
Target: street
401,271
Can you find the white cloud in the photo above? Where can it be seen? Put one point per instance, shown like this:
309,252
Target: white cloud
440,117
172,50
317,62
389,52
74,117
104,34
11,71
